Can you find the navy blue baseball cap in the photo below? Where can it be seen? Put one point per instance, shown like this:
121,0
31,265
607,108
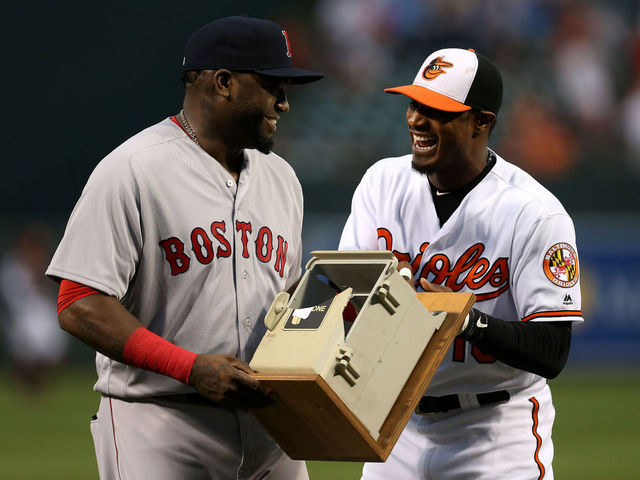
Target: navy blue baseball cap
245,44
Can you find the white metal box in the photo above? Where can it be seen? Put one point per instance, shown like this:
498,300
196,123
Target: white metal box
367,361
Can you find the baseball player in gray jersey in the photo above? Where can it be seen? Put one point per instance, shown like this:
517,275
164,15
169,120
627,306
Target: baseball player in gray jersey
461,218
181,238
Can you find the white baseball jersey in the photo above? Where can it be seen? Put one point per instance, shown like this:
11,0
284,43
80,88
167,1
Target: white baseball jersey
510,242
197,258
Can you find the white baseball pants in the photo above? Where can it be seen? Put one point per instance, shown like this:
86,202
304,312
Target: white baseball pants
510,441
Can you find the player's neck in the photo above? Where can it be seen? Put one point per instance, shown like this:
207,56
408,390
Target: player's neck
231,159
204,131
233,163
460,173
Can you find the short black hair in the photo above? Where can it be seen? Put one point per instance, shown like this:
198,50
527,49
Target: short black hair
189,76
477,111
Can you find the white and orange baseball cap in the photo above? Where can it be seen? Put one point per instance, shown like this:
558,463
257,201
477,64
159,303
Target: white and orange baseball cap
455,80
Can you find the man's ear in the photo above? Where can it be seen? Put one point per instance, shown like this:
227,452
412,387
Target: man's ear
222,80
484,121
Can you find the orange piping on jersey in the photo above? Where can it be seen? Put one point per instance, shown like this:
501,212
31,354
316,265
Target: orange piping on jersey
534,430
562,313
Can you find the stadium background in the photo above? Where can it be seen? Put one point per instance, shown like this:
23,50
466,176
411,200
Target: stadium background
80,77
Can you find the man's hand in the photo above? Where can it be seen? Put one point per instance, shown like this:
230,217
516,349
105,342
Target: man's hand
427,286
405,270
432,287
224,380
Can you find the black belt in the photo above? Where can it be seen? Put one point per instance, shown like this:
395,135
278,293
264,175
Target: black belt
451,402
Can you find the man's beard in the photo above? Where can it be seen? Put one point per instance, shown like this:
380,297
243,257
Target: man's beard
249,120
422,169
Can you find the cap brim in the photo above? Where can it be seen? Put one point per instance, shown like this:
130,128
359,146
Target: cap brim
296,75
429,98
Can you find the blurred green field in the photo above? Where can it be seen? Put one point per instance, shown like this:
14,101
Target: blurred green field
596,433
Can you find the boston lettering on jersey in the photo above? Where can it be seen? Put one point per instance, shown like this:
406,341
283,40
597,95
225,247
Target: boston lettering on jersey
470,270
202,246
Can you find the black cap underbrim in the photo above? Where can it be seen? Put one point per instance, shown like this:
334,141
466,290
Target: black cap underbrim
296,75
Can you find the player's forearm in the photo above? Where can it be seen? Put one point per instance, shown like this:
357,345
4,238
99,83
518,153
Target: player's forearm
104,324
537,347
101,322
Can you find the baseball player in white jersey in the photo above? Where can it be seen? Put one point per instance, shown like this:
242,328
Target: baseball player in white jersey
461,218
181,238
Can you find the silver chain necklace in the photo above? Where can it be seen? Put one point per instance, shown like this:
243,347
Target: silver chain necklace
188,128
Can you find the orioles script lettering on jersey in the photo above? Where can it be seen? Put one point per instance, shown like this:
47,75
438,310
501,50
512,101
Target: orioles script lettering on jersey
203,248
471,269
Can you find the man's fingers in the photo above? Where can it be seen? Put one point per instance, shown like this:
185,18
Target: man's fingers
253,384
404,269
246,380
240,365
250,392
227,381
432,287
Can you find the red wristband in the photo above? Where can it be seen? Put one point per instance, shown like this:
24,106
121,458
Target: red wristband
144,349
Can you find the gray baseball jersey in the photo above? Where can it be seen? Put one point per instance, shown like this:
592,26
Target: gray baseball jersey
194,256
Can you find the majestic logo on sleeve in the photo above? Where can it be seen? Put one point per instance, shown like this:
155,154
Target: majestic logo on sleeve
560,265
435,68
205,246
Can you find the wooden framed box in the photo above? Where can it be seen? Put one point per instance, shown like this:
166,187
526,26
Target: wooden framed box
345,391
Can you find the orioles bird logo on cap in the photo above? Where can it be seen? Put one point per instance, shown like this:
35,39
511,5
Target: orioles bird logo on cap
435,68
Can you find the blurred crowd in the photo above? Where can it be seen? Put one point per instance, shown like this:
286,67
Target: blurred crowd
34,344
571,70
